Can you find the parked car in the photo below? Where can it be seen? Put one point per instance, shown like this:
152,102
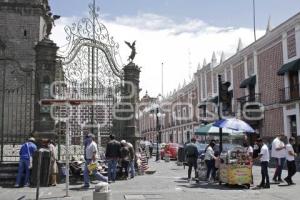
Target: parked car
171,149
160,146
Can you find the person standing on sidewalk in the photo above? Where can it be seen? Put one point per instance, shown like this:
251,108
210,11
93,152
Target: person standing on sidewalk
54,168
264,157
248,149
151,148
210,160
124,159
112,154
147,150
249,152
191,153
91,155
291,164
26,152
131,159
85,143
279,153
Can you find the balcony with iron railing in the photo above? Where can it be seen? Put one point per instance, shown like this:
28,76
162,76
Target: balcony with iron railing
250,98
289,94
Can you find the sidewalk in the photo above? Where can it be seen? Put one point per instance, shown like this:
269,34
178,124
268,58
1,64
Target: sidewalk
168,182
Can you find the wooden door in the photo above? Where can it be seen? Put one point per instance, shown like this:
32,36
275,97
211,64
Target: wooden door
294,84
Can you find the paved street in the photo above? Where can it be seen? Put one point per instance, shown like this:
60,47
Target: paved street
168,182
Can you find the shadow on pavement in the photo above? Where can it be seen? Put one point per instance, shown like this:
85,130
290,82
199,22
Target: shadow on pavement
181,181
176,169
31,187
81,189
205,185
8,186
56,197
184,178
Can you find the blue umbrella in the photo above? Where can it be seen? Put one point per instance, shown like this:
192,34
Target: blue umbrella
211,130
234,124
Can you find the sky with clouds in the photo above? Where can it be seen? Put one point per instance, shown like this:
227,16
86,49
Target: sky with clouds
178,33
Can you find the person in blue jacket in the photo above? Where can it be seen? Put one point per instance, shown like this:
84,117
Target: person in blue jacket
26,151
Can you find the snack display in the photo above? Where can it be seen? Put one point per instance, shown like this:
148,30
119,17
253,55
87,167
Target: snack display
236,168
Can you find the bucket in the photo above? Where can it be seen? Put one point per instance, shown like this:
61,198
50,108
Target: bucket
102,191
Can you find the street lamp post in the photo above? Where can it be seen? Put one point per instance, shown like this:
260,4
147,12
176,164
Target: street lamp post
254,20
158,134
156,112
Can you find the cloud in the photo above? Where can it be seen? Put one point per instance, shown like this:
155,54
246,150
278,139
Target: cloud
148,21
180,45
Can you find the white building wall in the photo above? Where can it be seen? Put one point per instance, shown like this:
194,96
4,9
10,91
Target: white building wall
286,114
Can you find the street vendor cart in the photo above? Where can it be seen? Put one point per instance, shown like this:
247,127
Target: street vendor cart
236,168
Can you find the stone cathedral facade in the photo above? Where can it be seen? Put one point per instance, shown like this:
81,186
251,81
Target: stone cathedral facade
27,66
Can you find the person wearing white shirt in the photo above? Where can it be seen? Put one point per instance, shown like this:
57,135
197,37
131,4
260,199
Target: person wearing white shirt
264,157
210,160
91,155
249,152
248,149
278,152
291,164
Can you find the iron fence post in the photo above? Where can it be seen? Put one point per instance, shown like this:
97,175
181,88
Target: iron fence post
2,110
67,157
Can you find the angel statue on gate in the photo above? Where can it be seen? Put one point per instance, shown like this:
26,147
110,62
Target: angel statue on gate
133,51
50,23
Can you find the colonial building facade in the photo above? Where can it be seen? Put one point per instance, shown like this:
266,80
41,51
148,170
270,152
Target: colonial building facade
176,117
264,88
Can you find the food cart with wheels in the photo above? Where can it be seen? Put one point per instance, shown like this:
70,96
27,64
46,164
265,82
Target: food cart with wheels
236,168
211,132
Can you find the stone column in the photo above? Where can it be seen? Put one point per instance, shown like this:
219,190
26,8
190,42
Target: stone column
44,125
130,96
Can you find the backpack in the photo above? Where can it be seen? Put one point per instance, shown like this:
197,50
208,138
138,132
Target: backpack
125,153
190,150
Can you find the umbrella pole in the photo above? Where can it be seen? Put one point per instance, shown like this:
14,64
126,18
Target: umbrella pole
221,140
219,113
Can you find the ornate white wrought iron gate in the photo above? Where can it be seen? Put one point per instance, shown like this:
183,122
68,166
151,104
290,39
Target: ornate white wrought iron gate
90,72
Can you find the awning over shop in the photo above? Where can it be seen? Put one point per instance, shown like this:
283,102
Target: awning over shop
249,81
291,66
